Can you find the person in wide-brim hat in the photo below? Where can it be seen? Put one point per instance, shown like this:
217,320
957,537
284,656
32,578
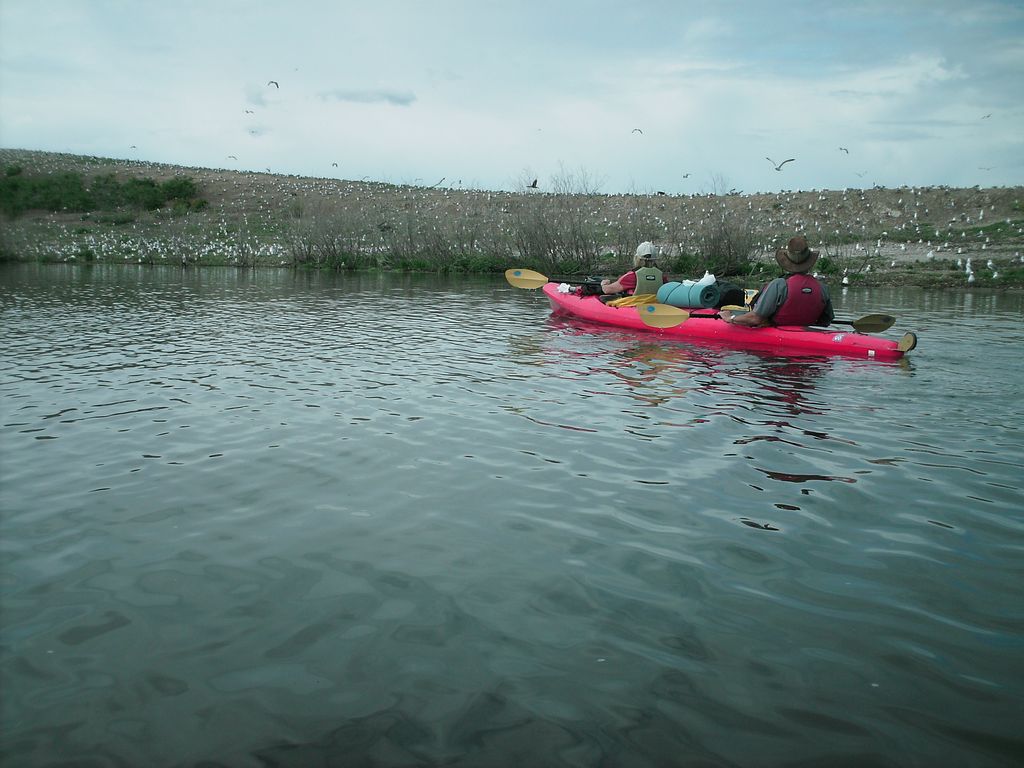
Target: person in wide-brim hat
797,298
797,256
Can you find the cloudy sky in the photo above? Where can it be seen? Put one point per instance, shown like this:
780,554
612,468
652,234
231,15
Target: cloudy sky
617,96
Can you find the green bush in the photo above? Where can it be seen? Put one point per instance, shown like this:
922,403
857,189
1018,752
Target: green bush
143,193
106,192
685,265
12,195
180,188
64,192
68,192
180,207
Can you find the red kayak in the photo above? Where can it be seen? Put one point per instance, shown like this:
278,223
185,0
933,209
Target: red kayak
705,326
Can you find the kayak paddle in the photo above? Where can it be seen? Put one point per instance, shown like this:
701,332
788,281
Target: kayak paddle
662,315
525,278
665,316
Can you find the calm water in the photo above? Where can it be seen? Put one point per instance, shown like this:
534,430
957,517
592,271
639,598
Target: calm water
254,520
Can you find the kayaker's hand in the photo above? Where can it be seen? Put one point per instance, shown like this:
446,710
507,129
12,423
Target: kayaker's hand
726,315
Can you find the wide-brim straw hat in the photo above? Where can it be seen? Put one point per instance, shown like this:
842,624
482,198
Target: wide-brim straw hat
797,256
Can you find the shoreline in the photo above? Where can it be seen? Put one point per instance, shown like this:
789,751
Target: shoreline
877,236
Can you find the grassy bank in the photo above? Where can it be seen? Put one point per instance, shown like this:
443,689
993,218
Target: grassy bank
909,236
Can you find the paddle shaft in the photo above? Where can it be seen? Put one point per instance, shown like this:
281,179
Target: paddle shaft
853,323
837,322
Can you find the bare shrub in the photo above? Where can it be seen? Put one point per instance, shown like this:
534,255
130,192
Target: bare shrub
839,258
726,246
331,239
554,231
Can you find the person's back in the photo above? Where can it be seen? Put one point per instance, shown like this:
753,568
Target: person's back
795,299
648,279
644,278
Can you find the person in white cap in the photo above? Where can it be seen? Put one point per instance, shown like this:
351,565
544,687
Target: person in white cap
644,277
797,298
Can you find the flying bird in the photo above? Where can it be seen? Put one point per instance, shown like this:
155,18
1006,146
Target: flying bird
532,186
986,117
861,174
232,157
334,164
248,112
274,83
686,175
637,130
844,149
778,166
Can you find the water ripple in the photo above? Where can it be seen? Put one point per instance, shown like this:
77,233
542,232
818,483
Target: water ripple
254,519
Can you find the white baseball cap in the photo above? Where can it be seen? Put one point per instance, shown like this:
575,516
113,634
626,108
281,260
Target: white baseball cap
646,249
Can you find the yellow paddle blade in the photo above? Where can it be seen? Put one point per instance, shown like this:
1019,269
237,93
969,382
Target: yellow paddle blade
661,315
873,323
908,342
525,278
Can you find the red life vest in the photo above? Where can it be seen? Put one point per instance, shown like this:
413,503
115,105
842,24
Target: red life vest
804,301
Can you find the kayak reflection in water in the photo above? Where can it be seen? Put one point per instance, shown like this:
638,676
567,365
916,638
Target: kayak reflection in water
793,299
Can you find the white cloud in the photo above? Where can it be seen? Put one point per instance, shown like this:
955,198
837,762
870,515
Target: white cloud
368,96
